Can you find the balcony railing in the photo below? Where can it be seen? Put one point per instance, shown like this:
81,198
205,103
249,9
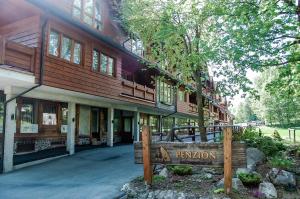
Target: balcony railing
138,91
193,108
17,55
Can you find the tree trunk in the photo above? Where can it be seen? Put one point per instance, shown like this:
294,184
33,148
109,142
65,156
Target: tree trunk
200,106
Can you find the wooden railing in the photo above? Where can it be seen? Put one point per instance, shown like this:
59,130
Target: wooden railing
17,55
138,91
193,108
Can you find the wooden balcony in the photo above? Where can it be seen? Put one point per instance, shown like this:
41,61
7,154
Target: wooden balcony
17,55
193,108
138,91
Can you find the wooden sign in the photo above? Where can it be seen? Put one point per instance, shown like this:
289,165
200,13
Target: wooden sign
201,154
227,154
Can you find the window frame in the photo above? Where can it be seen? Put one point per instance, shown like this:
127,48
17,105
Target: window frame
83,13
166,93
100,53
60,46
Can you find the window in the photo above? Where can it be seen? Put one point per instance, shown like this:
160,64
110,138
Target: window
95,65
27,114
181,96
154,124
135,46
103,63
53,43
88,11
70,49
167,124
166,94
66,48
64,114
49,114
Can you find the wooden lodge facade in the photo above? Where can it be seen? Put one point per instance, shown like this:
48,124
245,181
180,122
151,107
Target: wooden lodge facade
73,77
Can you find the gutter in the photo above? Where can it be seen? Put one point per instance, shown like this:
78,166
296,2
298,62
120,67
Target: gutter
42,65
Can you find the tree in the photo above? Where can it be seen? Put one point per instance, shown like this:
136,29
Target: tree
258,35
179,36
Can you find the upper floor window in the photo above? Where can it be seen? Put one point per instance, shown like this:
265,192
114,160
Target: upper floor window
135,46
89,12
181,96
166,94
60,45
103,63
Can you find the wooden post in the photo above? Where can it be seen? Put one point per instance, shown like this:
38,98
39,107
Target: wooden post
146,155
294,135
289,133
227,159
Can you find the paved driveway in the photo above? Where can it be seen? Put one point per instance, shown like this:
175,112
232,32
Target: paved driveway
98,173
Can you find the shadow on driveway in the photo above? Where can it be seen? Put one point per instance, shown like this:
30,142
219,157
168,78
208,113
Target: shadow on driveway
98,173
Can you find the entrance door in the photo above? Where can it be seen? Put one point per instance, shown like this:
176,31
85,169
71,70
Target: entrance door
127,130
95,123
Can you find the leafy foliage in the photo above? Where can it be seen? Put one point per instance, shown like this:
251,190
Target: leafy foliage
181,170
250,179
281,162
158,179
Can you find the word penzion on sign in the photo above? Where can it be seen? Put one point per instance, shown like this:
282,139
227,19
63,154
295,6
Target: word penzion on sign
203,154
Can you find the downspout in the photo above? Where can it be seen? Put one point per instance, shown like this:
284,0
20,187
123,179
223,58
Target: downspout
42,64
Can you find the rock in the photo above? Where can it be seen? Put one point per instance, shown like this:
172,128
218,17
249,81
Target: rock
268,190
129,189
242,170
236,184
166,194
207,176
254,157
164,172
211,171
281,177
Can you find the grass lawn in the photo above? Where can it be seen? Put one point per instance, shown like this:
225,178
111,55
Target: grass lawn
284,132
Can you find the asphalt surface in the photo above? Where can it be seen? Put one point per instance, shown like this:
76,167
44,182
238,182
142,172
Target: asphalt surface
96,174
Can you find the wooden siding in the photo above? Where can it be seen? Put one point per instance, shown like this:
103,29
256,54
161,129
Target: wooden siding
133,89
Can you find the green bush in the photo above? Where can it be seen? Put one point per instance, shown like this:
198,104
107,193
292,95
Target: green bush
277,136
268,145
250,179
281,162
181,170
158,179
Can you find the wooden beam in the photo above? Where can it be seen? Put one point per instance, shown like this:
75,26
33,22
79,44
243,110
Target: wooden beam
146,155
227,159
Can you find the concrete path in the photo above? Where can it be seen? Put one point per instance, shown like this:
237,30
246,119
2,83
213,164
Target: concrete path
98,173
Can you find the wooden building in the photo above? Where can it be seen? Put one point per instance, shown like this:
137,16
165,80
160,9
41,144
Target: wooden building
73,77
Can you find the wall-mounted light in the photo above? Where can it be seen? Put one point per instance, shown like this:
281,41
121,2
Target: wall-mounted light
73,119
112,121
12,116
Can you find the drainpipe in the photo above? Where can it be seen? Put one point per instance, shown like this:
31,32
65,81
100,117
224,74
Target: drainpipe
42,64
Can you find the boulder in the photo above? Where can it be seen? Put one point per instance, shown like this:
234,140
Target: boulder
282,177
242,170
268,190
236,184
254,157
129,190
164,172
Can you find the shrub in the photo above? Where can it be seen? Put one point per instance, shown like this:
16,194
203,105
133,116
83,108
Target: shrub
181,170
277,136
221,190
158,179
250,179
281,162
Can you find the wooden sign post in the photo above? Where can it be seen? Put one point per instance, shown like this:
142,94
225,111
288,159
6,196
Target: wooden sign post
146,155
227,159
214,154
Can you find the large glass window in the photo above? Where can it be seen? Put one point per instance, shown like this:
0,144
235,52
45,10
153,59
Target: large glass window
53,43
90,14
64,47
28,115
166,93
154,124
167,124
106,64
49,114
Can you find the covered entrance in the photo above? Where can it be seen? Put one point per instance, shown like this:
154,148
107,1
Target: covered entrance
123,126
